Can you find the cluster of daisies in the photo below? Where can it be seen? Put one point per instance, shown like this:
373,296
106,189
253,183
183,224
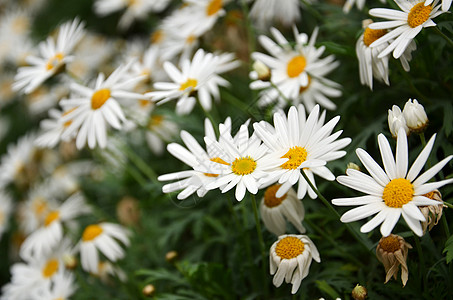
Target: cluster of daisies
79,84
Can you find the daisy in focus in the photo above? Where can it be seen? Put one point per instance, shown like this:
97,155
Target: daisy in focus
102,237
308,144
290,259
275,211
197,77
54,55
92,109
392,191
243,162
296,73
406,24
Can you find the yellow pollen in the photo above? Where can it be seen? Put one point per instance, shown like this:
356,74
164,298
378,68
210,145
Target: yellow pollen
144,103
296,66
432,195
156,120
52,216
398,192
213,7
40,206
390,244
50,268
217,160
91,232
269,196
190,83
157,37
243,166
370,35
190,39
99,98
289,247
54,61
66,124
296,155
419,14
302,89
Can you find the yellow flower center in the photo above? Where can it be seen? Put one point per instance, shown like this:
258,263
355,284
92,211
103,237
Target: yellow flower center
52,216
156,120
289,247
157,36
54,61
213,7
296,156
398,192
99,98
302,89
67,123
190,39
20,25
217,160
370,35
296,66
190,83
91,232
243,166
390,244
50,268
39,206
419,14
269,196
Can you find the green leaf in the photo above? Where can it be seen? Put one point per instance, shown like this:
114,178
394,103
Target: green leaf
448,115
326,288
449,249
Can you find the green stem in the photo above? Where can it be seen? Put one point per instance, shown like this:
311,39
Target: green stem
445,225
261,241
449,41
313,11
250,29
140,164
448,204
368,246
280,92
422,261
211,118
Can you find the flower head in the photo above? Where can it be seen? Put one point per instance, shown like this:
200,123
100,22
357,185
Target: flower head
392,252
290,259
394,191
397,121
415,116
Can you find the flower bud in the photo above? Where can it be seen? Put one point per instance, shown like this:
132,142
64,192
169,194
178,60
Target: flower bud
263,72
171,256
415,115
352,165
149,290
396,121
359,292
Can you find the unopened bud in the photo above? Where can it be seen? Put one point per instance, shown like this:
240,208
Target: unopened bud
264,73
70,262
171,256
396,121
128,211
415,115
149,290
359,292
352,165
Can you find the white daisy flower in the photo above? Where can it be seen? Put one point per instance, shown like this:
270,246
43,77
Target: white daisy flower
102,237
63,287
290,259
308,143
396,121
264,12
197,76
276,210
6,206
54,55
13,163
97,107
192,181
42,241
243,162
160,130
297,72
394,191
53,128
205,13
406,24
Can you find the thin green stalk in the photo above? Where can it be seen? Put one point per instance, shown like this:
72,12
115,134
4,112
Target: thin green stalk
250,27
368,246
211,118
140,164
279,91
261,241
422,261
137,176
448,204
313,11
449,41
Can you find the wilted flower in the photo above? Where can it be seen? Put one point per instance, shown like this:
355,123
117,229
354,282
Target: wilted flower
359,292
290,258
392,252
276,210
415,116
432,213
